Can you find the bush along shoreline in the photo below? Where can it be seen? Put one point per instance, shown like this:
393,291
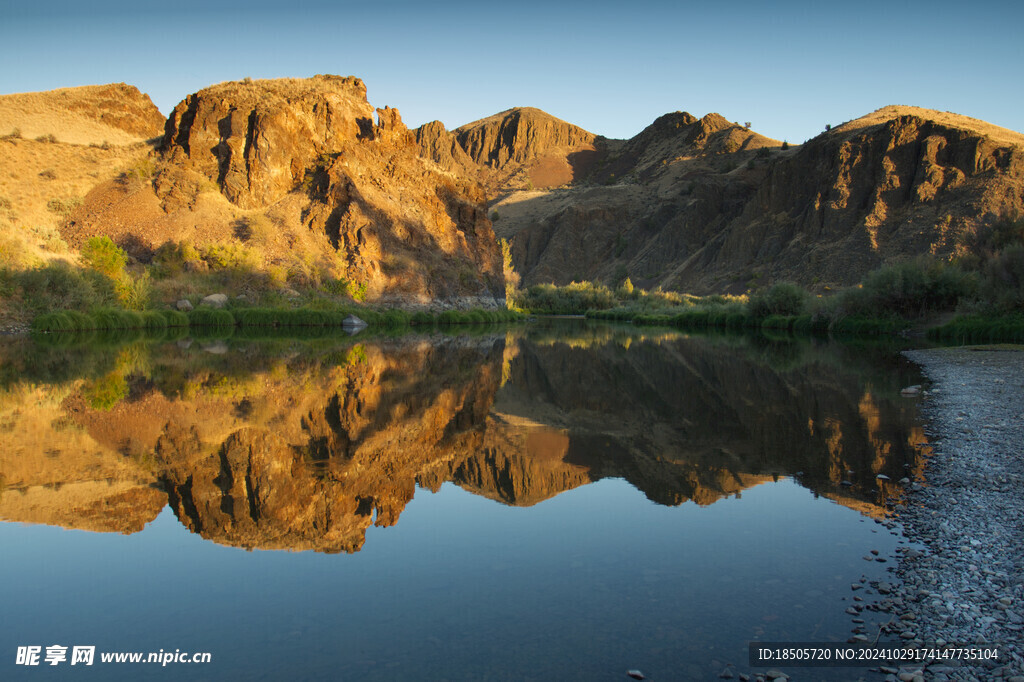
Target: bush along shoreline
981,286
208,318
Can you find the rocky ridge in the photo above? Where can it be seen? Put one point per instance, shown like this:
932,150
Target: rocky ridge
323,174
703,205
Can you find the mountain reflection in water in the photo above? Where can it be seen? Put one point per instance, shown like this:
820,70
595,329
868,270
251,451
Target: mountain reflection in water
302,445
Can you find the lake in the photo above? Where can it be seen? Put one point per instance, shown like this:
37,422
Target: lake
552,500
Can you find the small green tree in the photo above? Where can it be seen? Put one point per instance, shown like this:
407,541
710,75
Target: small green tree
103,255
511,276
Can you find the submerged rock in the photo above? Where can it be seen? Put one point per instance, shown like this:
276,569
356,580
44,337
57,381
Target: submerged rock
353,322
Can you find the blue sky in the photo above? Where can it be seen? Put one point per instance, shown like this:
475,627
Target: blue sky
788,67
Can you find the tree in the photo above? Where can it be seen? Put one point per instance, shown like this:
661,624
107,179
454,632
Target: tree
511,276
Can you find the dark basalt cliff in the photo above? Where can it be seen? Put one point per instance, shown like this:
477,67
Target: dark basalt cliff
705,205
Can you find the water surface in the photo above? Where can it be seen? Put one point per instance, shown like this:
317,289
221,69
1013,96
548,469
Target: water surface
549,501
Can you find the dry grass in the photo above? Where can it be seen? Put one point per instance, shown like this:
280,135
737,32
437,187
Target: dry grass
880,116
37,176
94,114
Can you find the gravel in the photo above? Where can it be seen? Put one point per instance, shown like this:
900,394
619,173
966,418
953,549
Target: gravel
960,580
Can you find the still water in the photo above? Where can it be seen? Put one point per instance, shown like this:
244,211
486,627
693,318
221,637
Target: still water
554,500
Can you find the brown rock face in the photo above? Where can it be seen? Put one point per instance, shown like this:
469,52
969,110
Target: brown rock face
443,148
702,205
343,185
518,136
257,139
518,148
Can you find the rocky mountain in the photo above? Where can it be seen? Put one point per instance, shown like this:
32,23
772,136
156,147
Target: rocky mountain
312,178
705,205
318,184
520,148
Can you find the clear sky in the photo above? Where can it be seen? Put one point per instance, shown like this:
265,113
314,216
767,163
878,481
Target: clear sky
788,67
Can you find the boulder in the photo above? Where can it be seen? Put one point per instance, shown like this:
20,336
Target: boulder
184,305
215,300
353,322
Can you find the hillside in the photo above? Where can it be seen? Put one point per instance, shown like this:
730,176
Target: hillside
300,182
704,205
54,147
314,182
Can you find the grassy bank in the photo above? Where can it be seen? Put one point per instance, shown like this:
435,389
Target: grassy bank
983,284
71,321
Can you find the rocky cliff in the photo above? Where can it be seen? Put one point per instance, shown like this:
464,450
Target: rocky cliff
519,148
705,205
326,178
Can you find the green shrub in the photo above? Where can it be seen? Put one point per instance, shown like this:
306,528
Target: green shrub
80,320
114,318
422,317
53,322
174,318
58,286
103,255
783,298
257,317
909,290
63,207
211,317
779,322
572,299
152,320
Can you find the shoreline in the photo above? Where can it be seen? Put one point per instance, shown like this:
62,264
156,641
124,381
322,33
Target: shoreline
962,575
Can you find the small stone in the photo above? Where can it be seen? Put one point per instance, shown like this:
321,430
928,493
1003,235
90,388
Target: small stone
184,305
636,674
852,611
856,586
882,477
884,588
776,675
726,674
